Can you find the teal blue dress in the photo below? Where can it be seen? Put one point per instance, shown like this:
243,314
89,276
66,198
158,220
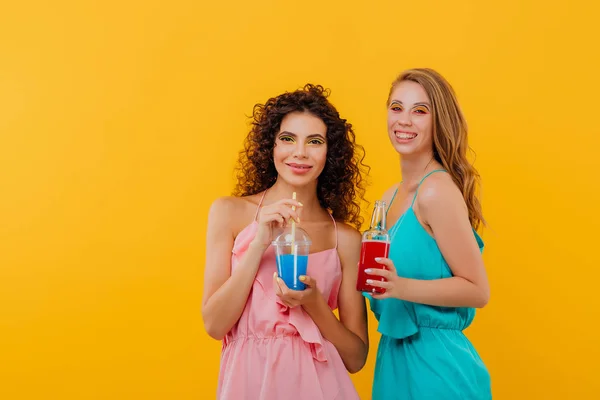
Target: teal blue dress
423,353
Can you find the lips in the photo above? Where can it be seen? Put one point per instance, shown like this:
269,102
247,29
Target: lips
404,136
299,168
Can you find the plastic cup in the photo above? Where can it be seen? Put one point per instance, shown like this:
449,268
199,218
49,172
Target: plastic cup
291,253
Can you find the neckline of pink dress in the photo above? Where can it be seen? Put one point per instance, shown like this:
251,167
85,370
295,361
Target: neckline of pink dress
253,223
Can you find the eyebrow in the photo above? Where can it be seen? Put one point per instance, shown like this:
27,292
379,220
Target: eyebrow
424,103
314,135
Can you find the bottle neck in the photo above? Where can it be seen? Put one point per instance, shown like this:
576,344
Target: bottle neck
378,220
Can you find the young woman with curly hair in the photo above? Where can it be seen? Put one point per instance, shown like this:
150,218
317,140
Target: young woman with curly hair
435,276
280,343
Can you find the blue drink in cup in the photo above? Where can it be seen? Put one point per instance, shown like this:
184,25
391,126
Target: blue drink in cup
291,253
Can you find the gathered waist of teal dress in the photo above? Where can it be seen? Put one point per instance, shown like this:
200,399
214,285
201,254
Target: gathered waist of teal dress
401,319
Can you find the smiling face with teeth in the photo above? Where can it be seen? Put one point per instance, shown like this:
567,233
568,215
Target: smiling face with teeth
410,119
300,149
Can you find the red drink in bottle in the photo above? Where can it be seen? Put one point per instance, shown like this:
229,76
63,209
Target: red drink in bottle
375,243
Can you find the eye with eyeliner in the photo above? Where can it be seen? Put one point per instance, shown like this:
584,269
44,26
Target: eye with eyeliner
395,107
421,110
287,138
316,141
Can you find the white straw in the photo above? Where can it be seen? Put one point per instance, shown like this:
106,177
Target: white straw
293,222
294,245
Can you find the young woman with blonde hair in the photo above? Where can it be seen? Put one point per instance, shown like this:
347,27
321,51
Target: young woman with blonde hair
435,275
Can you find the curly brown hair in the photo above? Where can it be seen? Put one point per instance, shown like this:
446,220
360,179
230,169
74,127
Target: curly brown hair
341,185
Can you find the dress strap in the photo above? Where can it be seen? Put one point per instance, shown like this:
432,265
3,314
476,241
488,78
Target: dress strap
393,197
336,230
425,177
260,204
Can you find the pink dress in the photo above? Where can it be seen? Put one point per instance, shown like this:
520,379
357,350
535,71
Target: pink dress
275,352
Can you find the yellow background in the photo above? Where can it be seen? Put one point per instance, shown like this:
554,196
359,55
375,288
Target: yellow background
120,123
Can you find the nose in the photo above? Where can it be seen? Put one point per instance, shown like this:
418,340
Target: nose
404,118
300,150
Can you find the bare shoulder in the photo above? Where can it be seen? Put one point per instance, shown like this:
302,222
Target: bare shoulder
439,191
232,211
224,203
348,235
349,242
223,207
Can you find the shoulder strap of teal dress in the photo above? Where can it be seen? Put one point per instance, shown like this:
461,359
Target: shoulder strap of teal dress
425,177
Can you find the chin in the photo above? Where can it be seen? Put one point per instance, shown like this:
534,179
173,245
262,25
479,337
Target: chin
297,181
405,150
301,181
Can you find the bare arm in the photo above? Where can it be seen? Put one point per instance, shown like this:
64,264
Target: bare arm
443,209
225,294
349,334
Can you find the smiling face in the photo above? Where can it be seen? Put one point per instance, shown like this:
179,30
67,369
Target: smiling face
300,149
410,120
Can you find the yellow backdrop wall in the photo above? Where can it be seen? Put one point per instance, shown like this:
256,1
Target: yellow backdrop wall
120,123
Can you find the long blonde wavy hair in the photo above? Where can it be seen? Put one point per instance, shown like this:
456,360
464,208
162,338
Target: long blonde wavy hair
450,144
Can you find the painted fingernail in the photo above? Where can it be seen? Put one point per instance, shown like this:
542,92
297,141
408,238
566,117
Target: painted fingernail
303,278
368,270
300,204
274,274
369,281
378,259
